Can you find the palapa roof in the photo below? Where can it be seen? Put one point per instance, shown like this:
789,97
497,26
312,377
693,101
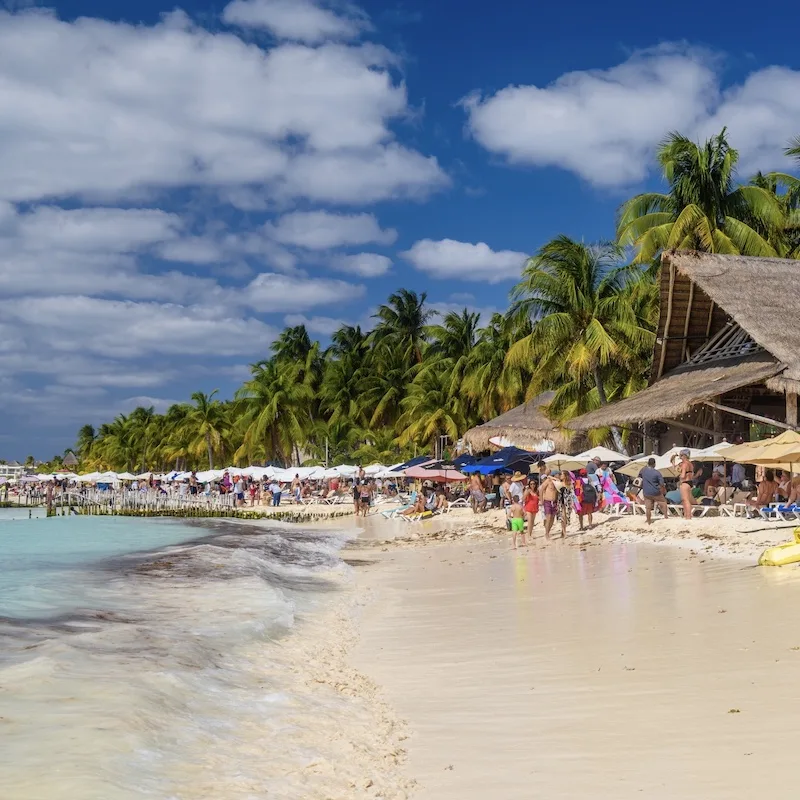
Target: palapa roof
526,426
708,299
70,460
702,292
680,390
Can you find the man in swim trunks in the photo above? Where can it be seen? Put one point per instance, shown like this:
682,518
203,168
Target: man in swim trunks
548,492
516,515
477,495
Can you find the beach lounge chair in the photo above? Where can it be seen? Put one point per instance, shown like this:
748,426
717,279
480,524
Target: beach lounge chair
462,502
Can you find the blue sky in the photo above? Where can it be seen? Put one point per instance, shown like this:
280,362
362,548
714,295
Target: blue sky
179,183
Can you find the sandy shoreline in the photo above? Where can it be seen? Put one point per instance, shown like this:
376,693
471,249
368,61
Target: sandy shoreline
599,666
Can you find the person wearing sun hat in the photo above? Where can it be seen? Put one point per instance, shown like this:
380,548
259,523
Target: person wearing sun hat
517,484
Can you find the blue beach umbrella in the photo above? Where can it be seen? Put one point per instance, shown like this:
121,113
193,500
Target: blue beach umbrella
509,459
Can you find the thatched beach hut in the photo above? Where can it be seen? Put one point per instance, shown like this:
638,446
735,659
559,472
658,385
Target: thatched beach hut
526,426
727,352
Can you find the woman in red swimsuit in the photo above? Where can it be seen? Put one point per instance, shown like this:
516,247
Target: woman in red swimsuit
530,505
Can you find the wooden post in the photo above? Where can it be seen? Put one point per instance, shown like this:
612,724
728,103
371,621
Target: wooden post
791,409
716,415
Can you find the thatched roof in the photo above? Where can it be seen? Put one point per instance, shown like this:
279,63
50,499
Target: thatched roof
677,392
526,426
701,292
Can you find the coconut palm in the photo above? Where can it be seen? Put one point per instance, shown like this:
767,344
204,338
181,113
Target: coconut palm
430,411
205,425
703,209
273,411
451,343
493,385
292,344
583,321
402,325
86,438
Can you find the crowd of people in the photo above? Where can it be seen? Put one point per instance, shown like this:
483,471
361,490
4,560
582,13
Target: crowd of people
557,494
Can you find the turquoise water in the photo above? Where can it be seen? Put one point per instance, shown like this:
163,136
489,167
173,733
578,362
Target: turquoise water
44,560
165,659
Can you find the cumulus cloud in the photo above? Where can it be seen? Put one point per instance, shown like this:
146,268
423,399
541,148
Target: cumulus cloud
126,329
319,326
322,230
100,108
604,125
368,265
301,20
451,259
601,124
271,292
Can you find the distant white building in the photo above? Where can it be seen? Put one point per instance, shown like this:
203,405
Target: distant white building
12,470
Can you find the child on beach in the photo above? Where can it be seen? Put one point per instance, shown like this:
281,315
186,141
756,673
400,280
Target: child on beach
516,515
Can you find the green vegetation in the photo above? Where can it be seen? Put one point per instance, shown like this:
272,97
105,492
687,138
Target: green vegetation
582,322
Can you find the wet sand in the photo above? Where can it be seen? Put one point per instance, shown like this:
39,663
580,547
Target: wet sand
588,669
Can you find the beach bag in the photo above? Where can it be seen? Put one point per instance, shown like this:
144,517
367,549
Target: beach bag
589,494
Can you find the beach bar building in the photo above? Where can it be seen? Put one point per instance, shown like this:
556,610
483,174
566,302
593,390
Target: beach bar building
526,426
727,353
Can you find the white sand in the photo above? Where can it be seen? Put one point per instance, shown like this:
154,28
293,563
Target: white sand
589,668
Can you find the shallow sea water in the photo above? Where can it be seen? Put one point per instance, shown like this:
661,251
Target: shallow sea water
161,659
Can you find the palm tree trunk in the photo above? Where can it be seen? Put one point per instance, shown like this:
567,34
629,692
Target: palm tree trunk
210,452
616,434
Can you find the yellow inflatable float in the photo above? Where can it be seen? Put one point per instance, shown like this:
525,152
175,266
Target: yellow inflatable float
782,554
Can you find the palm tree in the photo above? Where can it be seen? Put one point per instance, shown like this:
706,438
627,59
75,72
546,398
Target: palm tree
493,385
451,343
273,407
292,344
402,324
430,411
384,385
583,321
703,209
205,424
86,438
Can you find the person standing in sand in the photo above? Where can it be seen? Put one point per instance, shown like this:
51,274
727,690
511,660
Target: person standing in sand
653,489
566,501
530,505
548,493
477,495
685,481
587,498
516,515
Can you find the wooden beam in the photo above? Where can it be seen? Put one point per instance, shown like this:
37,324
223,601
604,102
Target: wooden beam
791,409
755,417
686,323
710,319
687,426
667,321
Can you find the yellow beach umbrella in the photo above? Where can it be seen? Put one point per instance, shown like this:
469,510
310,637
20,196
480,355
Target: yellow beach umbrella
777,449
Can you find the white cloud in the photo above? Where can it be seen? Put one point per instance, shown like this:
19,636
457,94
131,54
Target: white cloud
604,125
762,115
368,265
100,108
441,309
364,176
301,20
270,292
128,330
322,230
320,326
448,259
601,124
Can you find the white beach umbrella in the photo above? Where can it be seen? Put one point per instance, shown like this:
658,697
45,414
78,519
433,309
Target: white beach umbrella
373,469
663,463
603,453
561,461
143,476
126,476
714,453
